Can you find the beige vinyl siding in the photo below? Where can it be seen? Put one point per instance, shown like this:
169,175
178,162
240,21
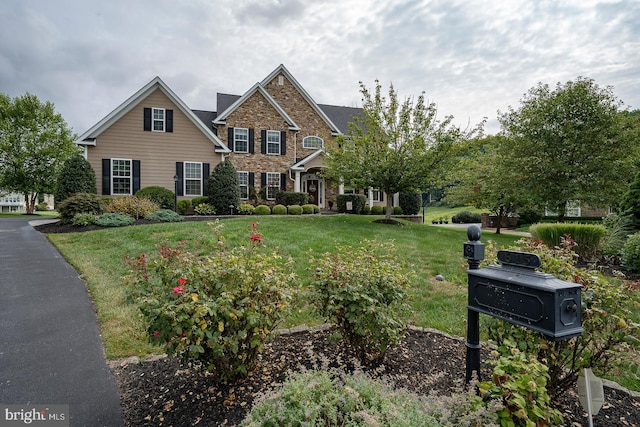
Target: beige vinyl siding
158,152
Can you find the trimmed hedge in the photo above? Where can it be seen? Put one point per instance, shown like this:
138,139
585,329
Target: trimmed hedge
279,210
466,217
377,210
289,198
410,202
587,236
295,210
308,209
159,195
262,210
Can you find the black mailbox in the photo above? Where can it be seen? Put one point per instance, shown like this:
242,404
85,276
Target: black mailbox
515,292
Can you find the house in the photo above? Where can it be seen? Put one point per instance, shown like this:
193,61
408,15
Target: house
273,134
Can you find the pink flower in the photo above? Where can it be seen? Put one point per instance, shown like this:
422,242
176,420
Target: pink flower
178,290
156,333
182,281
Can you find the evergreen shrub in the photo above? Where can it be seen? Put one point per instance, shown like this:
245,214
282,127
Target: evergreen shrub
358,202
631,253
295,210
133,206
114,219
200,200
159,195
410,202
183,206
164,215
263,210
377,210
308,209
279,210
76,176
588,237
246,209
466,217
223,188
78,204
397,210
289,198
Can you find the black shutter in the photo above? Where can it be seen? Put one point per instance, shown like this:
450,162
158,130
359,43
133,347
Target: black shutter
136,176
252,144
106,177
147,119
263,141
252,178
205,179
283,143
283,181
178,185
230,138
263,179
169,121
381,196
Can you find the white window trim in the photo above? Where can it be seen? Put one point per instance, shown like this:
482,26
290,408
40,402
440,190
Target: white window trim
235,140
247,175
185,179
272,186
154,120
121,177
276,132
314,138
374,192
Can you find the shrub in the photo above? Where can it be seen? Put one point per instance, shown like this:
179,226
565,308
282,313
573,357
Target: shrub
246,209
295,210
279,210
164,215
204,209
115,219
358,202
362,291
366,210
262,210
587,237
529,216
397,210
630,201
133,206
223,188
78,204
42,207
159,195
289,198
608,326
219,309
83,219
410,202
618,229
377,210
316,209
631,253
520,382
199,200
76,176
335,398
183,206
308,209
466,217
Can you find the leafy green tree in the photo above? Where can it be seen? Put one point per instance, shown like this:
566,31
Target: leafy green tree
34,143
483,178
76,176
565,145
630,202
224,190
394,146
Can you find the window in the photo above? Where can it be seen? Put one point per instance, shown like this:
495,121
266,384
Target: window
120,176
241,140
243,180
349,190
158,119
192,179
273,142
312,142
273,185
376,195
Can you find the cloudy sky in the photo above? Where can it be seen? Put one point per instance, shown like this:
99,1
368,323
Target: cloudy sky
471,57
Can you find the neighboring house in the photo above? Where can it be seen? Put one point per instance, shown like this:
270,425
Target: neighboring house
12,202
273,134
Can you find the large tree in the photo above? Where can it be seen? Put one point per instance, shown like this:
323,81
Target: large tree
34,142
482,178
565,145
394,146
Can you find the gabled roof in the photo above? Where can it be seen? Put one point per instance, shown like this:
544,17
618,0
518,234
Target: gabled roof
282,69
299,165
89,137
222,117
341,116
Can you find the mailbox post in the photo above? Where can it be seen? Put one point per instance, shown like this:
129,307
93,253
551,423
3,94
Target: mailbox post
517,293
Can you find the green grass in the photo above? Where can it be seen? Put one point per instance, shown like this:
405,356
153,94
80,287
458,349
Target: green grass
98,256
437,212
43,214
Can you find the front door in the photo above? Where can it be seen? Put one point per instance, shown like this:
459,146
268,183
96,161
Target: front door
313,190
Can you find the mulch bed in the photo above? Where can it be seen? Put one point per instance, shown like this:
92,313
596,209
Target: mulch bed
169,392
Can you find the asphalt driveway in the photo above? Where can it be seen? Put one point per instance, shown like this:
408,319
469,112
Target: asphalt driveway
50,347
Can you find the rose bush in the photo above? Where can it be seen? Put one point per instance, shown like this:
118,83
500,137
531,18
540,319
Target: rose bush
219,309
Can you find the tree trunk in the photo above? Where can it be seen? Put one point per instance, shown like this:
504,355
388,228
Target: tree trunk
30,202
500,217
389,208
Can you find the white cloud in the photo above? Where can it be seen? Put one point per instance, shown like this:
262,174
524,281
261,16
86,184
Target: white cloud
471,58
